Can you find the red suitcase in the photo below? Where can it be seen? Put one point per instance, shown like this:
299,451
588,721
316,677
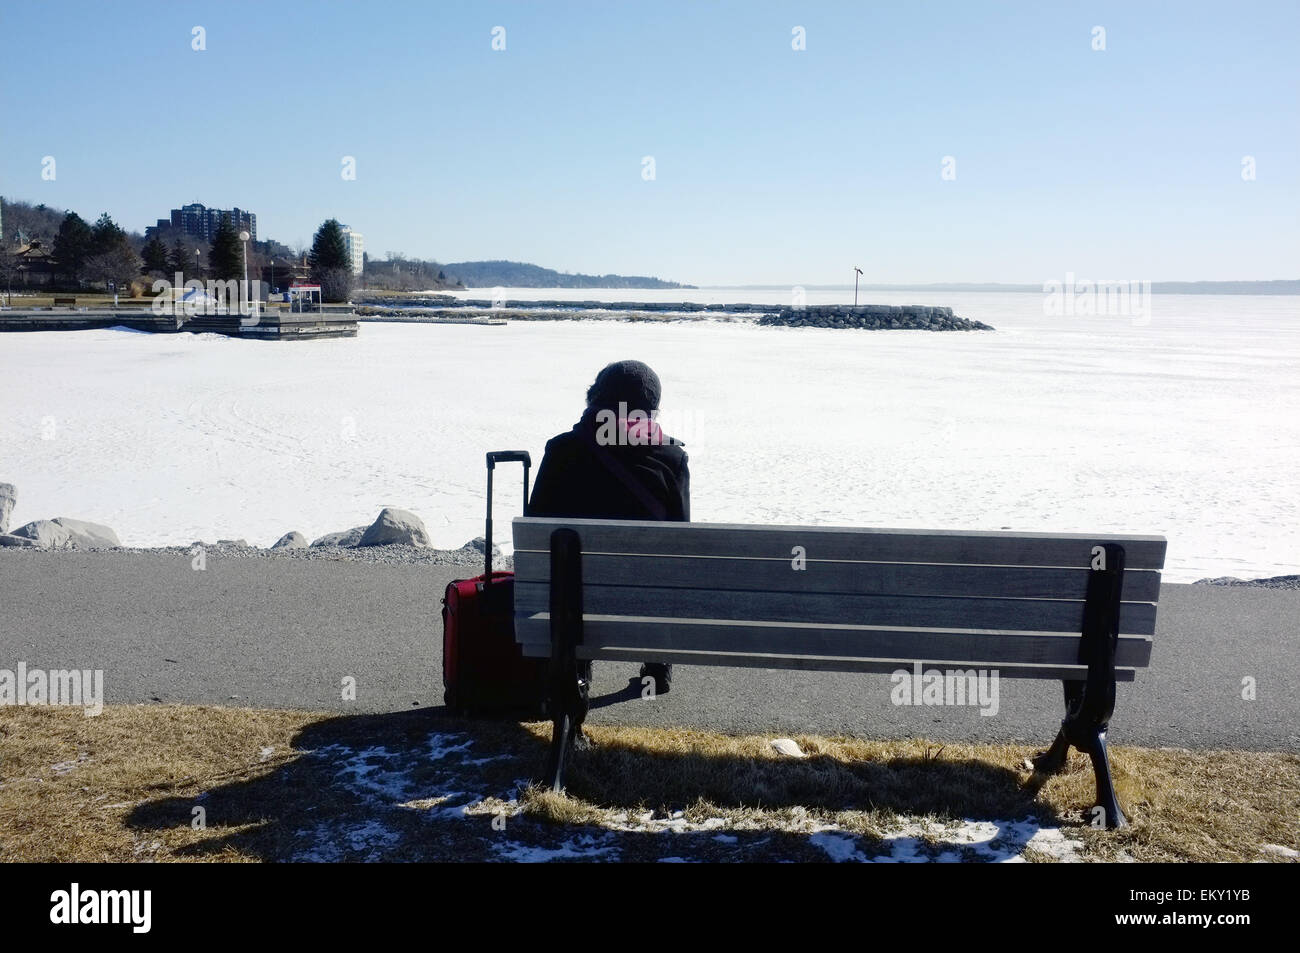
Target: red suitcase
483,668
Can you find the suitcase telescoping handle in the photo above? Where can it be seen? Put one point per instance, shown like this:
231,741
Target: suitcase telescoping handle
493,458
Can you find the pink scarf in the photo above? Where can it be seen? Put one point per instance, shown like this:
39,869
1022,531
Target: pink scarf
643,431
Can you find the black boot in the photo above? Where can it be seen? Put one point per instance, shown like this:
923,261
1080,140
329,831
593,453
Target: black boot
662,673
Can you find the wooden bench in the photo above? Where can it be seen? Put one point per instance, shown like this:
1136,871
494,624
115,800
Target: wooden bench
65,302
1079,609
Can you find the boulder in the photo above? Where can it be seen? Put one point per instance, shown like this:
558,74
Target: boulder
8,497
294,540
395,526
86,534
479,545
46,534
64,533
345,539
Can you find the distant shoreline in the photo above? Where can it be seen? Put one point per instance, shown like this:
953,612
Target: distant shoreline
1279,287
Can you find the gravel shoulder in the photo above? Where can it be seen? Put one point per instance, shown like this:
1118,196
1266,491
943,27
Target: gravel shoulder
468,557
1271,582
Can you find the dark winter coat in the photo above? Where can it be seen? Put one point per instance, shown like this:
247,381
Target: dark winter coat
581,479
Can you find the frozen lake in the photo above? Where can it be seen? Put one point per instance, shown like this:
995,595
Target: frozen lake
1186,424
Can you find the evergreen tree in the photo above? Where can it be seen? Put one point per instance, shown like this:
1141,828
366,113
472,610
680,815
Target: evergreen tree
178,260
106,237
331,267
155,255
72,246
225,257
328,249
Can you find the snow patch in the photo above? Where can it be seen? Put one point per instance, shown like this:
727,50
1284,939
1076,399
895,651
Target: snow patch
583,847
839,847
914,840
329,841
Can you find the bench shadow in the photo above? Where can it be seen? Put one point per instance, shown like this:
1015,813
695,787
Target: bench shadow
423,785
629,692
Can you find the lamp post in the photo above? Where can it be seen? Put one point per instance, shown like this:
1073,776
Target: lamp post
244,237
856,271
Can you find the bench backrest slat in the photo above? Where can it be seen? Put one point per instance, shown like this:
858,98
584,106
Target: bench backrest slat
825,663
922,612
837,543
821,575
634,632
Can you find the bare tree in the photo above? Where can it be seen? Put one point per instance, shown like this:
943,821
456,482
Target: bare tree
8,271
38,222
119,265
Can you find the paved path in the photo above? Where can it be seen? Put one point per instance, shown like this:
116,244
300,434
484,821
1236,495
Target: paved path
268,632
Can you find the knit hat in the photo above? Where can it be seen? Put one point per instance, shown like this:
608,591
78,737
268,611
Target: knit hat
630,382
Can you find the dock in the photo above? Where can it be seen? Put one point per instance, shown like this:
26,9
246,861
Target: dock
272,325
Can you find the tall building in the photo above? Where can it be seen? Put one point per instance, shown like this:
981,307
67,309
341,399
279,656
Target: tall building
202,222
356,246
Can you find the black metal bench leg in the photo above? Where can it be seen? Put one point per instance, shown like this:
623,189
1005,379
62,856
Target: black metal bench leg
566,731
1112,817
1090,704
578,714
561,729
1081,731
1052,760
568,691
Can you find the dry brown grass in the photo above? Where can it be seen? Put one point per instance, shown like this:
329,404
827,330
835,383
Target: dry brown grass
1184,806
278,785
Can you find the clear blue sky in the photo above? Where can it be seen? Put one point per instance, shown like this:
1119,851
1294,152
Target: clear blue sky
772,166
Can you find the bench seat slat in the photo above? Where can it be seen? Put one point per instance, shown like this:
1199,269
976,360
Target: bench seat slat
864,578
826,664
1036,615
839,543
617,633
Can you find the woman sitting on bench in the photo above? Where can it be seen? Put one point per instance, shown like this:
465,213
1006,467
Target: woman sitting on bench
617,464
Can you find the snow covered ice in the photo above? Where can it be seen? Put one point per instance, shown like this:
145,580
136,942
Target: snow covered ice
1186,425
